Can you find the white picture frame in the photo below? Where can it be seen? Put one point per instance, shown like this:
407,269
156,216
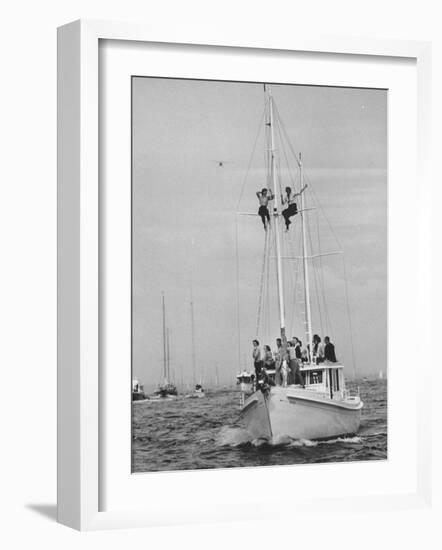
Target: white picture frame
79,268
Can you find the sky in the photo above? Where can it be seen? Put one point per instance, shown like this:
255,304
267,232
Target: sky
188,238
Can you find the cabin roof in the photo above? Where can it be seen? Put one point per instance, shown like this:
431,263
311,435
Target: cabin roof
322,366
245,373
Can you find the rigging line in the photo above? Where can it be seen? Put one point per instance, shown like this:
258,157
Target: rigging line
317,201
262,319
297,303
353,358
318,285
345,274
328,323
266,300
286,280
315,278
278,173
319,205
281,140
287,137
269,286
251,159
266,167
238,306
261,286
293,275
297,279
284,130
267,152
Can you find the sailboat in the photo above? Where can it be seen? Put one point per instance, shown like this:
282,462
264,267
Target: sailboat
320,406
167,389
138,391
198,390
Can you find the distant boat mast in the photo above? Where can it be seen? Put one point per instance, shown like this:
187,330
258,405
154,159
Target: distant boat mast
192,327
168,354
164,343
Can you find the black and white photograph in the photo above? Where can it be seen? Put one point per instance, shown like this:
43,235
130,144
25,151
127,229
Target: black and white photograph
259,274
221,255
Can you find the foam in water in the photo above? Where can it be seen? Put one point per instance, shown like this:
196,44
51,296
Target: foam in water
235,436
303,443
354,439
232,436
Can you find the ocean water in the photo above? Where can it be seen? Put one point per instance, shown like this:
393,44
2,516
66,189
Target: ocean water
189,434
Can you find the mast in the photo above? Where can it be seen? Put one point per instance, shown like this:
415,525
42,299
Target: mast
308,314
164,342
192,327
168,354
276,217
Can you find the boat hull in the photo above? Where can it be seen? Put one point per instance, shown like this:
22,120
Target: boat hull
195,395
138,396
299,414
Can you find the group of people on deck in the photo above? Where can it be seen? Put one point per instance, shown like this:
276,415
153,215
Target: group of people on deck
288,201
287,365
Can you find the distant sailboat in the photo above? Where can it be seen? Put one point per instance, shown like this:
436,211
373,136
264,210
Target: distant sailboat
216,376
320,407
167,388
137,391
381,375
198,389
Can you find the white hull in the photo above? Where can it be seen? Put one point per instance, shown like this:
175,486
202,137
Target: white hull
246,387
299,414
139,401
195,395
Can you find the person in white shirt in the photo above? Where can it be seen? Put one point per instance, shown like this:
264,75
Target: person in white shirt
284,373
257,361
289,201
294,352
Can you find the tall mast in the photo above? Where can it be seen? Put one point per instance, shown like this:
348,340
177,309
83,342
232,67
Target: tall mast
192,326
164,342
168,354
308,315
277,223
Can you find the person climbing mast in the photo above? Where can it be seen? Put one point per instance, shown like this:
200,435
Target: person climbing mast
264,196
289,201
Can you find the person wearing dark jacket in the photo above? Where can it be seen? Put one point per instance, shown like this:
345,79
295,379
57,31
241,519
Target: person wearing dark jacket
329,351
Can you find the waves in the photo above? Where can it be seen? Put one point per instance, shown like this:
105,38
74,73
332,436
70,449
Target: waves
236,436
188,434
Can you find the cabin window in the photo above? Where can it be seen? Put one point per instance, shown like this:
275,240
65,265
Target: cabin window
316,377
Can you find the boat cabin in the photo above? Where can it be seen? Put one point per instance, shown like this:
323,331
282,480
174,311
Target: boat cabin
137,390
246,381
326,378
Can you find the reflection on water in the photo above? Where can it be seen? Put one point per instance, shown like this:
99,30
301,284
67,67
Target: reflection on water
184,434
